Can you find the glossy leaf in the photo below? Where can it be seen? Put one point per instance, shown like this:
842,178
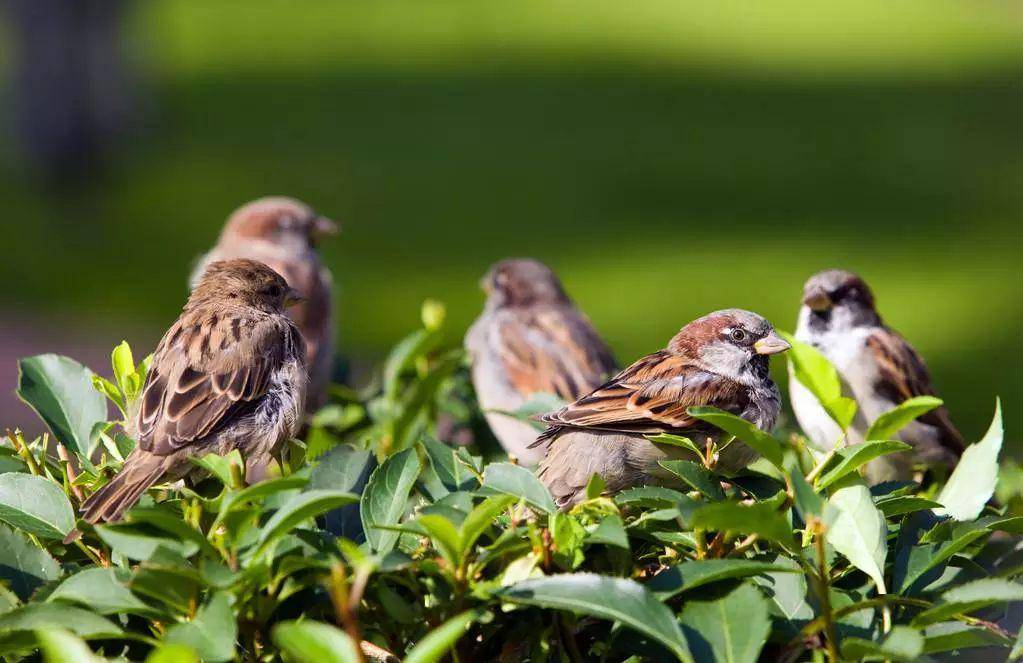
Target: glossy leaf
851,458
315,642
60,391
887,426
695,476
973,481
761,442
590,594
300,508
438,642
103,589
813,370
760,518
24,566
509,479
211,633
697,573
35,505
901,644
61,646
385,498
857,529
730,629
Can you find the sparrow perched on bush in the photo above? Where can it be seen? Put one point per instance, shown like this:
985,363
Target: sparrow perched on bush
720,360
530,339
229,374
878,368
282,233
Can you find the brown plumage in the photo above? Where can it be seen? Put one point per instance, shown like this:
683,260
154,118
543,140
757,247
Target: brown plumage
530,339
228,374
282,233
719,360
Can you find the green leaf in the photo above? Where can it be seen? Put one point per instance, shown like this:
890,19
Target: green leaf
696,476
134,543
761,518
902,643
971,597
342,468
813,370
385,498
807,502
60,391
481,518
732,628
697,573
973,481
891,422
60,646
595,487
300,508
857,529
23,565
438,642
1017,647
212,633
444,535
110,390
315,642
509,479
676,441
35,505
220,466
904,504
935,547
538,403
649,496
124,367
610,532
36,616
102,589
951,636
591,594
851,458
787,592
451,472
761,442
171,653
257,492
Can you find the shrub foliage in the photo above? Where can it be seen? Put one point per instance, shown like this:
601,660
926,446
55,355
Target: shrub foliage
379,541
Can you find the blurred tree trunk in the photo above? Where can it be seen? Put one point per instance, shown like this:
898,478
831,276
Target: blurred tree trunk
71,84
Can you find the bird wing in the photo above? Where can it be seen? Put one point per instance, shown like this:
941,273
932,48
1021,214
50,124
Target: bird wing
206,370
553,350
652,396
904,375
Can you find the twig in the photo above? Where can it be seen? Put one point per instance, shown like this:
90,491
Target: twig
375,653
26,454
819,467
72,474
745,544
338,590
824,591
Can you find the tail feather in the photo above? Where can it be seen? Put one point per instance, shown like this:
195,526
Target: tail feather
111,501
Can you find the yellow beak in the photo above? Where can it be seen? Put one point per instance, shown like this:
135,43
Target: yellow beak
771,344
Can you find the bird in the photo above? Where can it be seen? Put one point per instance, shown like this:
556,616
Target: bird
230,373
530,339
877,367
719,360
283,233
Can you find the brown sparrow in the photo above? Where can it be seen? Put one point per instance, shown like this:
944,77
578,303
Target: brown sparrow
720,360
282,233
878,368
229,374
530,339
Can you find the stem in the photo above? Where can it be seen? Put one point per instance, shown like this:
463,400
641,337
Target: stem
338,590
701,544
26,454
819,467
745,544
72,475
89,552
825,595
568,638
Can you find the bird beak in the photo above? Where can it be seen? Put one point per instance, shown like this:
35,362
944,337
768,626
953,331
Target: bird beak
817,299
771,344
323,227
293,297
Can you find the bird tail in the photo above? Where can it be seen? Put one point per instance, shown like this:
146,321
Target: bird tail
109,503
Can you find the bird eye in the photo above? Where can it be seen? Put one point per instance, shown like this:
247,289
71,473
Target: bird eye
738,335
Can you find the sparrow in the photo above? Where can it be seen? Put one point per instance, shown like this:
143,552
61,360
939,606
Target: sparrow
878,368
530,339
230,373
719,360
282,233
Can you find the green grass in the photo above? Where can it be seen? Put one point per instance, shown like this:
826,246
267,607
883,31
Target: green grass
666,158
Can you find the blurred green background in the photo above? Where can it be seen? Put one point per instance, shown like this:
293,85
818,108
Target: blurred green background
666,158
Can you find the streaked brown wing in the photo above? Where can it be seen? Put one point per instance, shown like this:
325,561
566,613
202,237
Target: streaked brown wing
552,350
205,371
651,396
904,375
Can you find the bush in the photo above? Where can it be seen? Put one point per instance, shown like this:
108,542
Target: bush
378,541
